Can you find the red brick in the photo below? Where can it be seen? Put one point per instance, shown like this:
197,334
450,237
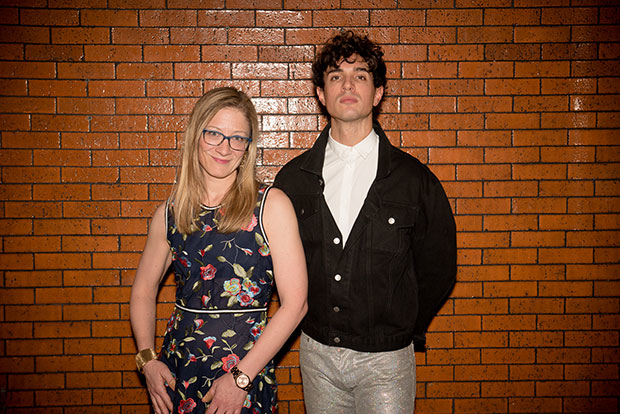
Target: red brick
15,365
42,381
485,34
340,17
539,171
17,34
117,53
63,398
57,88
487,104
510,51
480,405
241,18
61,157
598,405
61,329
508,355
606,221
32,244
568,86
112,329
454,17
511,16
30,209
97,175
155,70
536,339
452,356
510,256
596,205
595,68
567,120
168,18
90,278
15,157
400,17
592,305
566,222
508,389
196,36
109,17
536,305
479,372
173,88
144,36
83,35
481,340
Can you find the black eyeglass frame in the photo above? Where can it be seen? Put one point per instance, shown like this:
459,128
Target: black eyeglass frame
247,140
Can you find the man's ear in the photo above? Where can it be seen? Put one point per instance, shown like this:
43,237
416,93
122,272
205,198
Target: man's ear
378,96
321,95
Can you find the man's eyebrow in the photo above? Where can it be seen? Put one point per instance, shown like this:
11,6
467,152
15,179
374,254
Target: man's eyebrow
332,69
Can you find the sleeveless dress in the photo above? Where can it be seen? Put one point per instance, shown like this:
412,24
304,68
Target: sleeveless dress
223,286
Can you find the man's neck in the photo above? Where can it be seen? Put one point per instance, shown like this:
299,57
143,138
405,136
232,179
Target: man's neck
350,133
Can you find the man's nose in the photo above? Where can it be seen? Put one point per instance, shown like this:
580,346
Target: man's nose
347,84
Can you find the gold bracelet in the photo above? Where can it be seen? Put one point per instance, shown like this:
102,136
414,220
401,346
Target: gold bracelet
144,356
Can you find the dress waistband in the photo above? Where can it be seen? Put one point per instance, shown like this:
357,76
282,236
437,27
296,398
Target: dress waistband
221,310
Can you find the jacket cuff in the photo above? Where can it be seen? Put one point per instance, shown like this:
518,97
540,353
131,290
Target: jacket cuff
419,342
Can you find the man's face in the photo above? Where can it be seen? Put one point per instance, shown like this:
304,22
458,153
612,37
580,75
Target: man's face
349,93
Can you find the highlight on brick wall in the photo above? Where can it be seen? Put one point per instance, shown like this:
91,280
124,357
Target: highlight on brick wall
514,105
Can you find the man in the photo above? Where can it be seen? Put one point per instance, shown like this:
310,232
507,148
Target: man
379,238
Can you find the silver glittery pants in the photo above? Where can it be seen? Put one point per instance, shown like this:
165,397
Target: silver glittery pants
342,381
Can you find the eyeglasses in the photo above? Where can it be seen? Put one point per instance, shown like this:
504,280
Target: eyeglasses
236,142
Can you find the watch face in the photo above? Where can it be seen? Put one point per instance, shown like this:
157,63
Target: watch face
243,381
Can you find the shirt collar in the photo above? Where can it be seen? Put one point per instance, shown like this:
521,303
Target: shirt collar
361,149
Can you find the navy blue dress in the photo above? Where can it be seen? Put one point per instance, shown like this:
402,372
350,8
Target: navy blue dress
223,286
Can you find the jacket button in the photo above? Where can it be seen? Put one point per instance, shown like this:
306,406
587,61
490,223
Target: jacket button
336,240
302,211
391,220
337,278
337,340
336,309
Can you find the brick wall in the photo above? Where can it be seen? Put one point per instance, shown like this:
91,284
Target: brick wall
514,104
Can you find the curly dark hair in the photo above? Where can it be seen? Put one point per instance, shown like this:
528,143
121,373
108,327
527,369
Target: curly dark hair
341,47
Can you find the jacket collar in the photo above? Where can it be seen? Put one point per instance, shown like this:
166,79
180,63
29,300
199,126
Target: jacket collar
316,155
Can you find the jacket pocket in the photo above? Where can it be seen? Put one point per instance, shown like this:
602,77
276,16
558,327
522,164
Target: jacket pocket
392,228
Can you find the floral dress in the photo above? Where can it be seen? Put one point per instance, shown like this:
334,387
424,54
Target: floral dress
223,286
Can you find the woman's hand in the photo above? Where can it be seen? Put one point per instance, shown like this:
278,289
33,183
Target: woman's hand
158,377
225,397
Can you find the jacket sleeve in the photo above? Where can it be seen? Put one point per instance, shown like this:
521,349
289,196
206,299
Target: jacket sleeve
434,254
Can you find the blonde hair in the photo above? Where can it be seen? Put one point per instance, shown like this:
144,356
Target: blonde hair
237,205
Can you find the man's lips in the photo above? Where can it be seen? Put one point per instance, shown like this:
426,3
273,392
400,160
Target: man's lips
348,99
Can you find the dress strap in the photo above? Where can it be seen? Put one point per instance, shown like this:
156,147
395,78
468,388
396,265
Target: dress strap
260,214
216,311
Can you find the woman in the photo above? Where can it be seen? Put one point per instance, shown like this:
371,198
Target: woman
227,239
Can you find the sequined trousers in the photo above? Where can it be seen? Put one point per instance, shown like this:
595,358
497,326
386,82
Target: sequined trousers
343,381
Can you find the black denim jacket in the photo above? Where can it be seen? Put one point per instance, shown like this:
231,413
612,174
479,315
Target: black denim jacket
398,266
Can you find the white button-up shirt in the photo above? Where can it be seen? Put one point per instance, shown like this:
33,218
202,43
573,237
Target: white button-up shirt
348,173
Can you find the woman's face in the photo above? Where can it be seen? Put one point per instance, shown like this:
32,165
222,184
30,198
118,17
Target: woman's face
221,161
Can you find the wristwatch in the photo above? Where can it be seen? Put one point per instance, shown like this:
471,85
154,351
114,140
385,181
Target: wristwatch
143,357
241,379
